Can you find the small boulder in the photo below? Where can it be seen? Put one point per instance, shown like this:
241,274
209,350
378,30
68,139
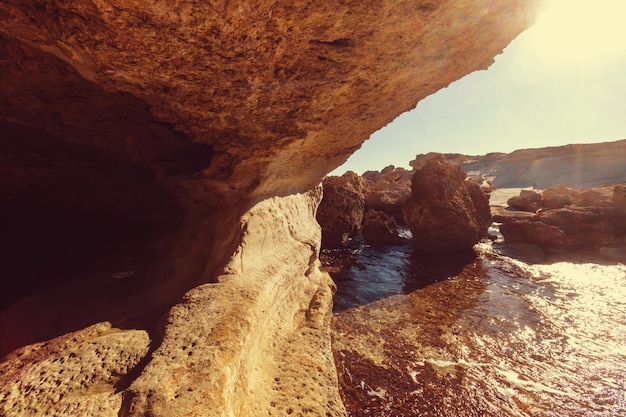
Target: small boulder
528,200
619,200
557,197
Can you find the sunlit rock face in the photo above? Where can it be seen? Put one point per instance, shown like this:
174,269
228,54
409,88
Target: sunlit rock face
569,220
578,165
446,213
151,149
342,210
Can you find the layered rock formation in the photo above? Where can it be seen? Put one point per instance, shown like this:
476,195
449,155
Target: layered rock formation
157,198
579,165
446,213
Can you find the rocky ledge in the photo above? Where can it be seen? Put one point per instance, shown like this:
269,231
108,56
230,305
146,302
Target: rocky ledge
563,220
158,194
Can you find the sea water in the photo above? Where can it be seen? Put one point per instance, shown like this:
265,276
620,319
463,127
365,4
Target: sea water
481,334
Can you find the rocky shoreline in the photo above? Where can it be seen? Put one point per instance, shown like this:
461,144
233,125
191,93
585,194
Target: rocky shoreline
159,190
562,220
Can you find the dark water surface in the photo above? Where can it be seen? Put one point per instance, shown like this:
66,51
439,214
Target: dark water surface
479,335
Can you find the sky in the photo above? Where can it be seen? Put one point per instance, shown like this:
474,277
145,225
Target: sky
562,81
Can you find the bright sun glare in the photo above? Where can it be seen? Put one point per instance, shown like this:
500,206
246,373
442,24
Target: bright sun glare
579,32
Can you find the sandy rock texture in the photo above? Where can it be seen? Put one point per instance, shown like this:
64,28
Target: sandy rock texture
158,169
446,213
257,342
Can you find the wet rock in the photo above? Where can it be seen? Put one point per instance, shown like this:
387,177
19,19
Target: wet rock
341,211
446,213
380,229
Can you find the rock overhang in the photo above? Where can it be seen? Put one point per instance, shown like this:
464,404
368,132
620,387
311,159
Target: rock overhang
251,81
181,117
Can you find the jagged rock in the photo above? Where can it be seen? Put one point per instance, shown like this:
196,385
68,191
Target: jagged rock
341,211
380,229
158,161
446,213
388,190
589,221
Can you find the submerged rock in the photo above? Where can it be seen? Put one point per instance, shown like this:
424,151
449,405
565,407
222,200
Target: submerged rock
446,214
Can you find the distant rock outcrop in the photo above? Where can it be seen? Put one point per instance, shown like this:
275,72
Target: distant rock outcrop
446,213
571,219
380,229
528,200
341,211
579,165
388,190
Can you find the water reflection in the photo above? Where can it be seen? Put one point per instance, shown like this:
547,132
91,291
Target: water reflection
367,273
486,335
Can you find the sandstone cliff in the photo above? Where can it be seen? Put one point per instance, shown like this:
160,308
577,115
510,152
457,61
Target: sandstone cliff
156,195
579,165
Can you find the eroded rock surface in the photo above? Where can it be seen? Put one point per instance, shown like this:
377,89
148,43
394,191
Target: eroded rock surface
446,213
342,209
388,190
77,374
152,151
